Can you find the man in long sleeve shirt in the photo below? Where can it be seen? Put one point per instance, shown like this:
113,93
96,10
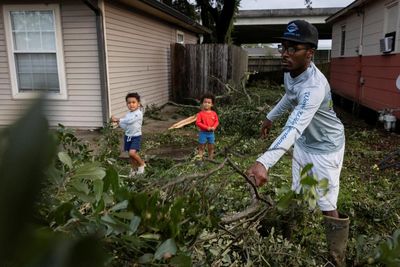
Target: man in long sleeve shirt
312,127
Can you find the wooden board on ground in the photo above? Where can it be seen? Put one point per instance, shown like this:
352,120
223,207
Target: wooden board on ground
183,122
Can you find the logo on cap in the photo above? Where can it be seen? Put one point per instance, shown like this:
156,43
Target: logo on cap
292,27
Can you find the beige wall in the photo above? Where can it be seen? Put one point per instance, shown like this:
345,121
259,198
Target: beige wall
83,107
373,28
373,31
138,55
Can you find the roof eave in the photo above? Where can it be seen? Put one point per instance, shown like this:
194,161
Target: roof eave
169,14
344,11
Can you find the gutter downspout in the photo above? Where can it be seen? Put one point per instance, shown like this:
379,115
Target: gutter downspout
102,58
360,55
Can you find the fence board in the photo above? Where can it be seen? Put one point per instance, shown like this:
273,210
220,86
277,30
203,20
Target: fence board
193,67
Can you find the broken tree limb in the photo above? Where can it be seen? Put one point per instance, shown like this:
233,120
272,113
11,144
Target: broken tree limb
250,181
255,198
253,208
194,176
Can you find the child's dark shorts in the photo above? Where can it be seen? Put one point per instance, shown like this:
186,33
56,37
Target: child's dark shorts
132,142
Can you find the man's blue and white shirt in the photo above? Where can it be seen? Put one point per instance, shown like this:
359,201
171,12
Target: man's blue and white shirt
312,125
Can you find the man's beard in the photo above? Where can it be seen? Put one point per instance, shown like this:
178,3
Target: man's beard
284,69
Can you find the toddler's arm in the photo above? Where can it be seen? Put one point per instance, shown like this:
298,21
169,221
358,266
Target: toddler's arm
114,119
216,123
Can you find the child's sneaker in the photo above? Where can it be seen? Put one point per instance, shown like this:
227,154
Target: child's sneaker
140,169
132,173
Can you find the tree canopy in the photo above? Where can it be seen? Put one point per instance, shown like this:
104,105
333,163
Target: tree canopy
217,15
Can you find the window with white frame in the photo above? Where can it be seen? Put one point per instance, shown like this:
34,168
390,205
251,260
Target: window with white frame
391,22
35,53
392,16
180,37
343,40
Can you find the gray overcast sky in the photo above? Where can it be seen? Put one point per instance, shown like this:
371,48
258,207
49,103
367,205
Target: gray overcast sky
276,4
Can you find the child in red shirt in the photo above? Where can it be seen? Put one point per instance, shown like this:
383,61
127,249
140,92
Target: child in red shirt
207,122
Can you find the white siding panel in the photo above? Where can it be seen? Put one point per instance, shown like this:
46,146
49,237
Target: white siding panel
190,38
83,107
373,30
5,86
138,53
336,38
353,31
374,27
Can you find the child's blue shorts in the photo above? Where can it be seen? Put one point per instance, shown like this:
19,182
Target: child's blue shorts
132,142
206,137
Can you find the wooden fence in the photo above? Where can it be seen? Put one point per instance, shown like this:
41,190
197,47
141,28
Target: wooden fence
273,64
200,68
264,64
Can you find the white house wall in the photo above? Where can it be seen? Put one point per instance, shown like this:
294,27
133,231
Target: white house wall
373,28
353,28
369,78
373,31
83,107
138,56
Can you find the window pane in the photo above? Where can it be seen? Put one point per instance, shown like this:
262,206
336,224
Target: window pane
20,41
48,41
17,21
34,42
51,63
39,81
32,20
38,63
52,82
33,30
46,21
37,72
24,63
392,16
25,82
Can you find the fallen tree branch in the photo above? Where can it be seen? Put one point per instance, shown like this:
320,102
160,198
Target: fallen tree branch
254,207
194,176
255,198
251,182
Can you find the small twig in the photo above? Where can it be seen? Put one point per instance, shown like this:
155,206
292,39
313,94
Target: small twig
226,85
230,244
194,176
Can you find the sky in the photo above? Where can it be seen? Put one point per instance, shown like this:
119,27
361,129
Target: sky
277,4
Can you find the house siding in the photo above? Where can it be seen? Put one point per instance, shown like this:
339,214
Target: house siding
373,28
138,56
83,108
369,79
379,90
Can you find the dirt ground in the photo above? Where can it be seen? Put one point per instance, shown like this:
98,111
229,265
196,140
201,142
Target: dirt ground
168,115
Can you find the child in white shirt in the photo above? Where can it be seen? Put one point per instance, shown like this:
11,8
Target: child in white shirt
132,124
